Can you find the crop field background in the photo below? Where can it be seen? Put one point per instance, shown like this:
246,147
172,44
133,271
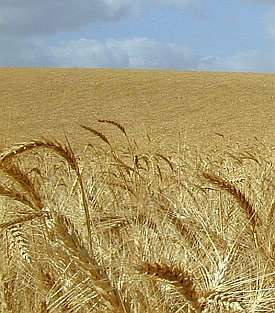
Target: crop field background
132,192
167,106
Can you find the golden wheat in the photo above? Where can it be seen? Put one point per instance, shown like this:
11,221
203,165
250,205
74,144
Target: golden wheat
123,230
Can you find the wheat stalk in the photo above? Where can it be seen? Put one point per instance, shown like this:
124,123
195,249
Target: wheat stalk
70,240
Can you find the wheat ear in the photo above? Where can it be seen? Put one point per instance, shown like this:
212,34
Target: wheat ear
222,303
15,195
182,280
21,178
245,204
20,220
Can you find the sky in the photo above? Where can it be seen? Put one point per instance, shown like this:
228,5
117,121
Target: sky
197,35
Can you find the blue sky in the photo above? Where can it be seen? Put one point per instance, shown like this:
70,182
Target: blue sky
224,35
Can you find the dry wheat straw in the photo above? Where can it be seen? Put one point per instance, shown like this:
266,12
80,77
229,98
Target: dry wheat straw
90,277
65,152
70,239
161,156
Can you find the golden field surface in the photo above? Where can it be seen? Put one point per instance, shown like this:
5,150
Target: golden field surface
162,104
136,192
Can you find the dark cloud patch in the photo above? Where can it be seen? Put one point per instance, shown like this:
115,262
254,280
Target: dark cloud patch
30,17
36,17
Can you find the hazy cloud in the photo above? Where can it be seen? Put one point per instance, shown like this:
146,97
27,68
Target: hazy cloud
248,61
150,53
89,53
180,4
131,53
24,52
271,21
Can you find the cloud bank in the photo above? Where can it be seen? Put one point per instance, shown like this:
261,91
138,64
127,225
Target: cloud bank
144,53
32,17
26,26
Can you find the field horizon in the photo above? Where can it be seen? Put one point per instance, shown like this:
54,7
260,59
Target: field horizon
197,108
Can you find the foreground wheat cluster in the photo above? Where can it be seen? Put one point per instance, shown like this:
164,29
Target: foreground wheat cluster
119,229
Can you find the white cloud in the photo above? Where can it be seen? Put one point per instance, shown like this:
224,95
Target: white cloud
132,53
89,53
247,61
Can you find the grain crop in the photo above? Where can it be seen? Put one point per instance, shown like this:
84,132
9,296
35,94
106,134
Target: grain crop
132,214
121,229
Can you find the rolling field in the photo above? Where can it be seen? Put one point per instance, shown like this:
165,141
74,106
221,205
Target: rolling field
136,192
37,102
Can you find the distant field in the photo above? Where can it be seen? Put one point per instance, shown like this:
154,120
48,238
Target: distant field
139,221
169,106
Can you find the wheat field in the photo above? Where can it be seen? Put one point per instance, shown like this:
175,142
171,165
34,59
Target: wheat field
191,107
115,216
